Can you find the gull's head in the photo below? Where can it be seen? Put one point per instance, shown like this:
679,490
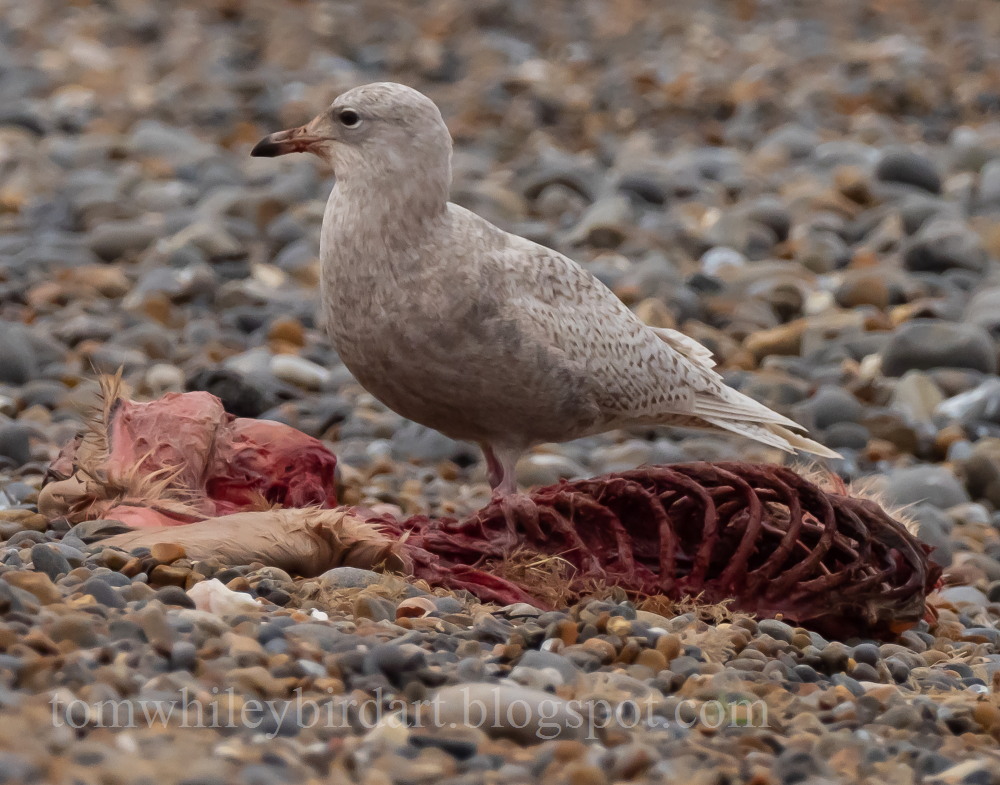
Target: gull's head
376,130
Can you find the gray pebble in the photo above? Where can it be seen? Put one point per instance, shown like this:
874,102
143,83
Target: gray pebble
350,578
14,443
511,711
540,660
944,244
867,653
926,343
910,168
18,363
113,240
934,485
776,629
47,559
103,593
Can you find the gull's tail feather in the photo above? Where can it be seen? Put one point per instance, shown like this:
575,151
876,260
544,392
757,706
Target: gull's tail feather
733,411
773,435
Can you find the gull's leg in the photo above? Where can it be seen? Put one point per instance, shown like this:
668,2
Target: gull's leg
500,466
494,471
508,472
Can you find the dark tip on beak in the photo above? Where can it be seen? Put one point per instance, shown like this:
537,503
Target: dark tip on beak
266,148
294,140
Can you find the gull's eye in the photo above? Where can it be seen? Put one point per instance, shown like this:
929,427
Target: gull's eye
349,118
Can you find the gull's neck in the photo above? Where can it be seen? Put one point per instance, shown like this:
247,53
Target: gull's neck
371,220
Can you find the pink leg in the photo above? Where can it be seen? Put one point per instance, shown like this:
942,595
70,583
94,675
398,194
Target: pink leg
500,467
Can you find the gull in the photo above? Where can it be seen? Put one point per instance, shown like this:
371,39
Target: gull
478,333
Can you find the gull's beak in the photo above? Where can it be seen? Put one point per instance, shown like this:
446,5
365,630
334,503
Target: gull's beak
294,140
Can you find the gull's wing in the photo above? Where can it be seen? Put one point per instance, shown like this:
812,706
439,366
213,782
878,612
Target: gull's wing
634,372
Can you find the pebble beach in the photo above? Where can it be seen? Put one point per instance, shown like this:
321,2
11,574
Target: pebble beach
812,192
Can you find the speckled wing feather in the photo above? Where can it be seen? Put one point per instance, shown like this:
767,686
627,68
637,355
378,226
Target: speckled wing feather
635,373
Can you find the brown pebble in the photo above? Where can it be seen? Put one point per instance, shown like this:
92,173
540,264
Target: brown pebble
164,575
783,340
601,647
114,560
167,552
619,626
26,519
652,658
37,583
947,436
329,685
138,591
288,331
510,651
630,651
256,679
239,584
852,182
132,567
867,288
567,632
669,646
566,750
583,774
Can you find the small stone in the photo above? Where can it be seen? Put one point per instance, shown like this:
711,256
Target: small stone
924,344
982,471
18,360
37,583
783,340
716,261
669,646
863,288
963,595
113,240
653,659
932,484
943,244
286,330
15,443
167,552
916,394
983,309
349,578
547,469
299,371
910,168
605,224
162,378
183,655
375,608
78,628
776,629
832,405
867,653
175,595
102,593
543,660
238,395
165,575
255,680
47,559
933,528
522,714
